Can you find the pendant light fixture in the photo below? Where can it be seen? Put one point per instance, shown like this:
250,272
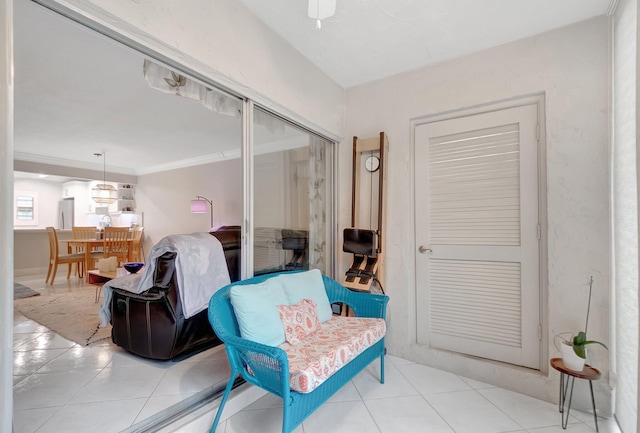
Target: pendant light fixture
103,193
321,9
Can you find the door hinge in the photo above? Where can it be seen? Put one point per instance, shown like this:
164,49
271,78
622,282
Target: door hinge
539,332
539,232
538,132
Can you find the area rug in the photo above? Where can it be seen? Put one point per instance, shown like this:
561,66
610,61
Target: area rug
72,315
20,291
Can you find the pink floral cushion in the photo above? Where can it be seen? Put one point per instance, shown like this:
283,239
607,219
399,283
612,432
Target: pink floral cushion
299,320
339,340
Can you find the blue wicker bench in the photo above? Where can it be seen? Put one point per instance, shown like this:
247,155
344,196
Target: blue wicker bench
268,366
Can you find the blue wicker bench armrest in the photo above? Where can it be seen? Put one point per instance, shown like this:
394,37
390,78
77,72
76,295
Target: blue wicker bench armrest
362,304
268,366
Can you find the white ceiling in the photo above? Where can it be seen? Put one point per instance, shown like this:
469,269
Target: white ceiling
78,93
371,39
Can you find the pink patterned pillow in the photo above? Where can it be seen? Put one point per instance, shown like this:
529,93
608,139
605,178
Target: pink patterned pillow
299,320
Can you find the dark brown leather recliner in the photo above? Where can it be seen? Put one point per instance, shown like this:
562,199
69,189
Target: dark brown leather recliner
152,324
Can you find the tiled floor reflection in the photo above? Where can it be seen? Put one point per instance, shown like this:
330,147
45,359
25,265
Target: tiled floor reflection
62,387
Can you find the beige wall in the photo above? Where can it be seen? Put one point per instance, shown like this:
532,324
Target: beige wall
570,67
31,252
165,199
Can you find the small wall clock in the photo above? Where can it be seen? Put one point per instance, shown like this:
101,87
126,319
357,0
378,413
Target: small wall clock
372,163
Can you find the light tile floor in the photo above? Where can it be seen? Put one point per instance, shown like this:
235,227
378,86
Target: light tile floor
62,387
418,399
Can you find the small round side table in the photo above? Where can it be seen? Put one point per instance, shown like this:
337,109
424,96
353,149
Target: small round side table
569,376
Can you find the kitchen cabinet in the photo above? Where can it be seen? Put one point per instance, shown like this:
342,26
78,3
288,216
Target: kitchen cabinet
75,189
80,191
84,204
126,198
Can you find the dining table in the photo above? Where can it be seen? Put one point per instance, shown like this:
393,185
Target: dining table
92,245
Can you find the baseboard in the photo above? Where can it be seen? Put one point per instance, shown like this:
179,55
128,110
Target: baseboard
29,271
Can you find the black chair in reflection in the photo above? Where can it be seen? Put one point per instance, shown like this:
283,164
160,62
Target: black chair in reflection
298,242
152,324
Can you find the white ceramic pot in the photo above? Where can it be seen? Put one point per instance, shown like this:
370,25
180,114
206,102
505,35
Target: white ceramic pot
569,357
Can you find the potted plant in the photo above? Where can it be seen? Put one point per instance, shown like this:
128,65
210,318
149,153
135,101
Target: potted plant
573,349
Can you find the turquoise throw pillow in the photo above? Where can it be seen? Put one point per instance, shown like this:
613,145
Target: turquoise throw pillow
307,285
256,308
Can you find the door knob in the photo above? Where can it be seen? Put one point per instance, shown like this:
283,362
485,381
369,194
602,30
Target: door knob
423,250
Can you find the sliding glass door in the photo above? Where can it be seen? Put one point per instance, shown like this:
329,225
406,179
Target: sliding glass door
292,197
137,106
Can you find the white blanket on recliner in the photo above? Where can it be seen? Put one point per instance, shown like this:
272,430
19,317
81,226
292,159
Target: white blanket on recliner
201,269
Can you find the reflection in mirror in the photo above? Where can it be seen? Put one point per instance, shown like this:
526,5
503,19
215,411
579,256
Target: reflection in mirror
25,212
292,197
78,93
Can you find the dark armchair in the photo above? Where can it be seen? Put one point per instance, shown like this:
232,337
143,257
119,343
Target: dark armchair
152,324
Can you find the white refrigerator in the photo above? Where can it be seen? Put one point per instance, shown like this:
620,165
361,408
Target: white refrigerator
66,208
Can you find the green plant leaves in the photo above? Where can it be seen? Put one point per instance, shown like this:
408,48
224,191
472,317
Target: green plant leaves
580,338
580,341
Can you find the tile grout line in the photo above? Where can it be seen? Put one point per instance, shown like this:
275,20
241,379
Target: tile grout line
33,373
57,409
429,404
514,420
133,422
365,404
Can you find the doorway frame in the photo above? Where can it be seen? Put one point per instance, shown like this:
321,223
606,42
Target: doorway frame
537,99
6,215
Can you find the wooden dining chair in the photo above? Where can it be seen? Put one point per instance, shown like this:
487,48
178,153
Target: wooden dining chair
55,258
81,233
137,250
116,240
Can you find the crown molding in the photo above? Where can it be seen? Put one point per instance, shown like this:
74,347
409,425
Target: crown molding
613,5
97,169
190,162
63,162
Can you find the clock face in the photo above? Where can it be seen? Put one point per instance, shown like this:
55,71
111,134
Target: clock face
372,163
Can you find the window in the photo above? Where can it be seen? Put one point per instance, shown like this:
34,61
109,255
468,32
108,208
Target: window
25,209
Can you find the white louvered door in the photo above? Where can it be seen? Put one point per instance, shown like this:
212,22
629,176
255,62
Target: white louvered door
477,258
